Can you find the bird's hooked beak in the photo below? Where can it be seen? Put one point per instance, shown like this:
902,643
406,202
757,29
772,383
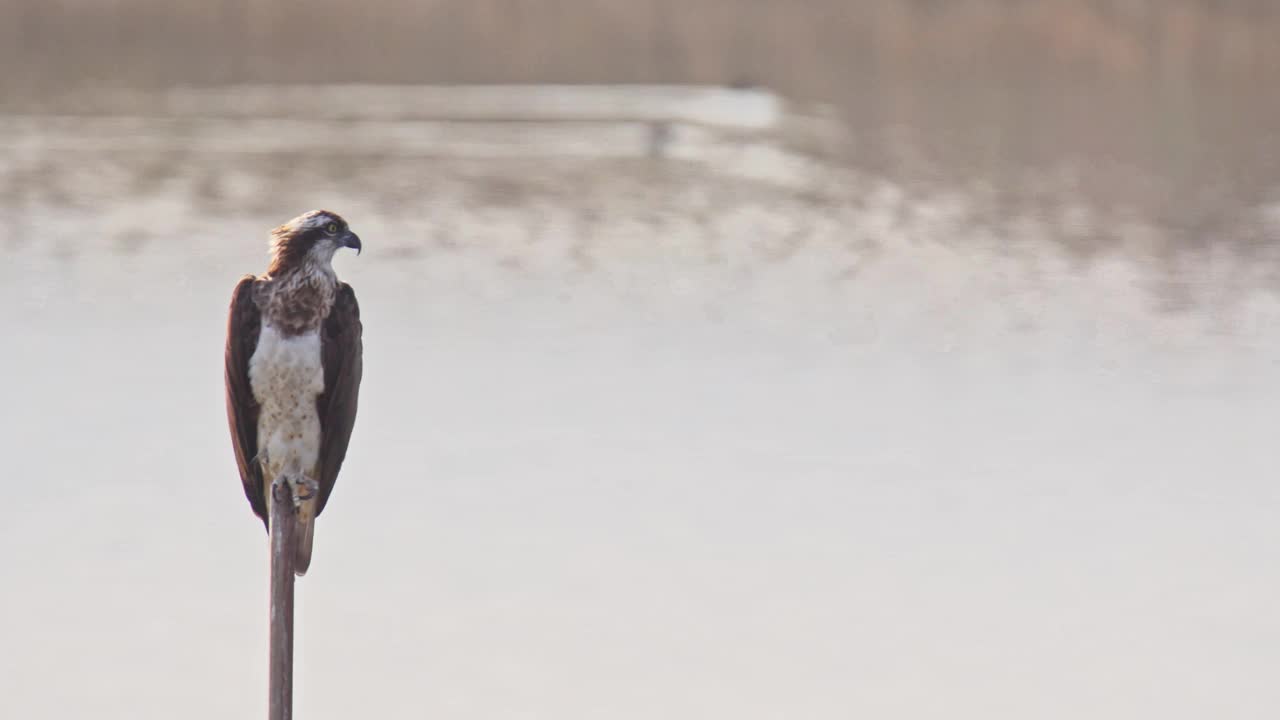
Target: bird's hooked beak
351,240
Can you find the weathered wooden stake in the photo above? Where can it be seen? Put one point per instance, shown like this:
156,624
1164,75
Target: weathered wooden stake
280,685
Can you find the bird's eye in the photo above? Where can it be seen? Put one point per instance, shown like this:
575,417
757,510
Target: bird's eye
332,228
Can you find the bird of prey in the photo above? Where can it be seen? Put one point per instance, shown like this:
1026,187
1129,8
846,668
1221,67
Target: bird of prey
293,367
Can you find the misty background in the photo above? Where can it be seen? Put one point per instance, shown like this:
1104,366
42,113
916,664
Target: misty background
723,359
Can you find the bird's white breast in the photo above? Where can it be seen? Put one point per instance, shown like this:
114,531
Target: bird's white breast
286,375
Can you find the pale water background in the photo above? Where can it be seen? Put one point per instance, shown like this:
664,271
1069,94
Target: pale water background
643,439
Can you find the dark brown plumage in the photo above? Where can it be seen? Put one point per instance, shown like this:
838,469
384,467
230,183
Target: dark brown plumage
243,326
342,350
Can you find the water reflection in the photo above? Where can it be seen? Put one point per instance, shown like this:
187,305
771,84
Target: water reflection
740,435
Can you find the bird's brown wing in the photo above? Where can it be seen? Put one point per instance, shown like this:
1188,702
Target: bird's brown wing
340,351
243,327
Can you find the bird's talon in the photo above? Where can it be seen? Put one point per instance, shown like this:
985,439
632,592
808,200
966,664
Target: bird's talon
304,490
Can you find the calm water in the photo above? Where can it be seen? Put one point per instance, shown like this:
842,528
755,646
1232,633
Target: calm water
644,440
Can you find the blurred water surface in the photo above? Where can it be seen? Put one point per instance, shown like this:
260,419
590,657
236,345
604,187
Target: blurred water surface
646,437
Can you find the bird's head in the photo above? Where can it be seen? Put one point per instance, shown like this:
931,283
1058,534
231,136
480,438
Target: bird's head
310,238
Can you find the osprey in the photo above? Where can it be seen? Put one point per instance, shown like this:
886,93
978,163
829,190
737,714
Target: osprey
293,366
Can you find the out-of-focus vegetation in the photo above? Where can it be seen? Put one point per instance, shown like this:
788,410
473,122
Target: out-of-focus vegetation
802,47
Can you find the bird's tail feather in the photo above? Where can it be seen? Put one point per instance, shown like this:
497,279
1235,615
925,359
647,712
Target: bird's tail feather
305,530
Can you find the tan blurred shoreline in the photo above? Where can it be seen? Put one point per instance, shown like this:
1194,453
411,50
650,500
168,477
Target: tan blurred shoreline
809,48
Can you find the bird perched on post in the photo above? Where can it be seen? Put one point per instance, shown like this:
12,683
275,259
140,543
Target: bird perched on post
293,367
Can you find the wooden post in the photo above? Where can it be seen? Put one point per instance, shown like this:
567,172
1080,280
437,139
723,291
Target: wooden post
280,684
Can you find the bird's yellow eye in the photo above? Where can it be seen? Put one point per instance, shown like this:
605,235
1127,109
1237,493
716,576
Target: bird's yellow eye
332,229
